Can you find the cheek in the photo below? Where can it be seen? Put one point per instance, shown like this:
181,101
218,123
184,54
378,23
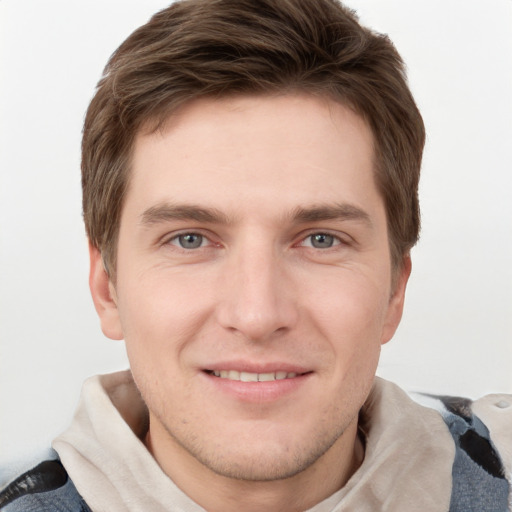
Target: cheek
351,316
352,323
351,303
160,312
159,321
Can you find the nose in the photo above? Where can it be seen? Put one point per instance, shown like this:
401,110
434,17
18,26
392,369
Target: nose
257,300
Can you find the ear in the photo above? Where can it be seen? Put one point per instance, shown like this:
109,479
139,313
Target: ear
104,296
396,302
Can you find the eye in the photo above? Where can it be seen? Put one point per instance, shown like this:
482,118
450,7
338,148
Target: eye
321,241
189,240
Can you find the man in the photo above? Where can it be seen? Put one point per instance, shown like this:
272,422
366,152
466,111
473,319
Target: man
250,174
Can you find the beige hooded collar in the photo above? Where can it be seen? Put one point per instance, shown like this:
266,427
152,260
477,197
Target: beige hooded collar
407,465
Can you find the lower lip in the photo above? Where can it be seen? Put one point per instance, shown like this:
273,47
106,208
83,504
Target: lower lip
258,392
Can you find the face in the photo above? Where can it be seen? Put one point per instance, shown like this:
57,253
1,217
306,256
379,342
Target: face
253,283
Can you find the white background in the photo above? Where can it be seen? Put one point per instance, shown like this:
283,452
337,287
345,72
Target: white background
457,329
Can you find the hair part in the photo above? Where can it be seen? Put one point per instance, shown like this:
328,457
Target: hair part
216,48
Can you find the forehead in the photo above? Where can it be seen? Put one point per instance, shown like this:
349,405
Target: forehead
285,149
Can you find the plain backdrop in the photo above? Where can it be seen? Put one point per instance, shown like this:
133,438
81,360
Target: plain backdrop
456,332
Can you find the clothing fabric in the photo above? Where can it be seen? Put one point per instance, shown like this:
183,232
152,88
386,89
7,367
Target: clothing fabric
46,487
441,454
479,476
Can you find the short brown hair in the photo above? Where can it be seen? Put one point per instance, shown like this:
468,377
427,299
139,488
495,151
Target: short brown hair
215,48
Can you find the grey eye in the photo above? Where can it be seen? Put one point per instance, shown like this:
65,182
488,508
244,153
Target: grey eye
190,241
322,241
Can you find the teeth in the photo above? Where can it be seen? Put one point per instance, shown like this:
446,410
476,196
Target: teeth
265,377
253,377
248,377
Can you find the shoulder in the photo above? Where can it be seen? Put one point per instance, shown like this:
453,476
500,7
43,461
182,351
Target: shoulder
488,418
482,433
496,412
44,488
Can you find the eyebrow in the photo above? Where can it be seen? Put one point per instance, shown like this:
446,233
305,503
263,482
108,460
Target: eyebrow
169,212
342,211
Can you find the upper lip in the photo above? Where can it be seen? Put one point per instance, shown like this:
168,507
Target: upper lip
260,367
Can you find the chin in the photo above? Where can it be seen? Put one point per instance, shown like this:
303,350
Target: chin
259,458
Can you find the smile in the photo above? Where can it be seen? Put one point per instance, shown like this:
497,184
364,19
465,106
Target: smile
253,377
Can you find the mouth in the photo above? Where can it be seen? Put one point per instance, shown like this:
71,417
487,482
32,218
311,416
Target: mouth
251,383
243,376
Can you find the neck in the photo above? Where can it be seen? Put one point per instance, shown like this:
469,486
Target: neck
300,492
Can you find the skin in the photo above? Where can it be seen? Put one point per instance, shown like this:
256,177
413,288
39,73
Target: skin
286,264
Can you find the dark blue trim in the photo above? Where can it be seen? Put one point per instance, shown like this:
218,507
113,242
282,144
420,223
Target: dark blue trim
45,488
